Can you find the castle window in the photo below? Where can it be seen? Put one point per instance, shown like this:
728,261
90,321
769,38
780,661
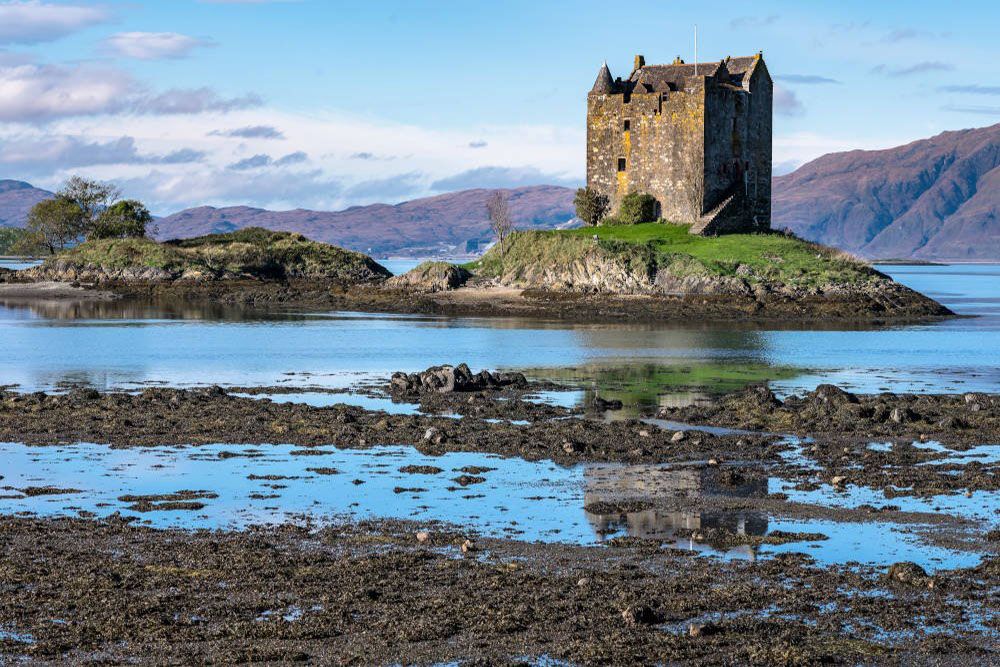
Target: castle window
627,125
621,164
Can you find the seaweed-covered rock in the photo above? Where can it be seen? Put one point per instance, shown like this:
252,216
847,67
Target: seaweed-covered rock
448,379
432,277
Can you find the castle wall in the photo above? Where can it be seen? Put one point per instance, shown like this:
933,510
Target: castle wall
662,149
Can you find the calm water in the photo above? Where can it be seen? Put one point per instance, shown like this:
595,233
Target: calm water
125,346
535,501
115,345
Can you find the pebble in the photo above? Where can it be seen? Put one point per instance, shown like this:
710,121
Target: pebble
423,536
468,546
678,436
583,581
838,480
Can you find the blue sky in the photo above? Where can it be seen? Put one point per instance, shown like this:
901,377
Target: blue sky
322,104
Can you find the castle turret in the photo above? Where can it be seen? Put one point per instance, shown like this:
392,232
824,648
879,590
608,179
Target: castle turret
604,84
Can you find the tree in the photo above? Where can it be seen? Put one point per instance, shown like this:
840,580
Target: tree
637,208
499,211
91,196
52,225
124,219
591,206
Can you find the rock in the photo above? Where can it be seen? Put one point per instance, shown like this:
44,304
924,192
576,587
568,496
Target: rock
640,615
448,379
644,433
679,436
468,546
713,462
902,415
85,394
831,394
423,536
702,629
910,574
582,582
435,436
431,277
570,447
601,404
838,480
953,423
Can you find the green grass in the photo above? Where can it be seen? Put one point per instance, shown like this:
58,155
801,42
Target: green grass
251,252
655,246
643,385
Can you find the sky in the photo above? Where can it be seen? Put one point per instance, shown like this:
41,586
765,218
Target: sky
325,104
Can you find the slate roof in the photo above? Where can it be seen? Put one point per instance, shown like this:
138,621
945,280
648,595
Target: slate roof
662,78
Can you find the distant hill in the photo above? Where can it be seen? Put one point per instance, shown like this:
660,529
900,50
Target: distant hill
16,199
434,225
936,198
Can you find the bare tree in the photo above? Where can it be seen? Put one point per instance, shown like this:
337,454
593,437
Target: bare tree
499,211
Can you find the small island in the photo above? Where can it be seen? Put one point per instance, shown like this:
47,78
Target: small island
643,272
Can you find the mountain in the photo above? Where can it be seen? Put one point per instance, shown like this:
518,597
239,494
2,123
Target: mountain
16,199
936,198
444,224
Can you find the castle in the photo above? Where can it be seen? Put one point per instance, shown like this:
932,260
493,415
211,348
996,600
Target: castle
697,137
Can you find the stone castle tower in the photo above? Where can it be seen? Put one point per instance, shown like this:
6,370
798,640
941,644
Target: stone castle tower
697,137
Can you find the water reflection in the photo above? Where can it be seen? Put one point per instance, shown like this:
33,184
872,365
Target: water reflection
608,487
241,486
190,343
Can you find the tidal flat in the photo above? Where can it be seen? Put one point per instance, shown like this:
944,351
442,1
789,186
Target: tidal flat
194,482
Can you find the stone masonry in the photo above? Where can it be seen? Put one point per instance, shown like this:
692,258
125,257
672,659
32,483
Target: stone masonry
695,137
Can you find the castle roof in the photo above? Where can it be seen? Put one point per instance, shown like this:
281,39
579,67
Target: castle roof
662,78
604,83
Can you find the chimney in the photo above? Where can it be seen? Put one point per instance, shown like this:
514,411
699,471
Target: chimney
639,62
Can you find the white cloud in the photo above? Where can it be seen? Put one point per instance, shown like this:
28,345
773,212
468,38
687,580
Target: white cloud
152,45
32,22
250,132
316,169
34,93
31,155
37,93
786,102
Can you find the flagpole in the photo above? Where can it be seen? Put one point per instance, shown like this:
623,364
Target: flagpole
696,49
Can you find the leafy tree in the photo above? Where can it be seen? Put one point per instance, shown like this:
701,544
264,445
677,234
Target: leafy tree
92,197
52,225
124,219
498,209
9,237
637,208
591,206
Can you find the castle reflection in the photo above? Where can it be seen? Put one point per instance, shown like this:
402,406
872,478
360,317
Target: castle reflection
613,487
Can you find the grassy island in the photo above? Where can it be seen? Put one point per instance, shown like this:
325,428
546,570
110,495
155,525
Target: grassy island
251,253
645,250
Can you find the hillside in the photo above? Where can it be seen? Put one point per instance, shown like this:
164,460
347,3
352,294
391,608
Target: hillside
16,199
442,224
935,199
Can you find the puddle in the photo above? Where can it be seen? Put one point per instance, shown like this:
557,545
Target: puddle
17,637
319,399
233,486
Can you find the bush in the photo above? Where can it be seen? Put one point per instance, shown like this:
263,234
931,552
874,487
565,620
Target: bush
636,209
591,206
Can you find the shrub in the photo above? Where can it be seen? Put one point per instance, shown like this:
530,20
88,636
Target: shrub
591,206
636,209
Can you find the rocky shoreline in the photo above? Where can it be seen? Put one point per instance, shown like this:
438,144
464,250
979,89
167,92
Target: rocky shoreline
891,305
425,593
393,592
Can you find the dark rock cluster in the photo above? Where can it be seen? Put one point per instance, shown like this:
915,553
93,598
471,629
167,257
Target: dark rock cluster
448,379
